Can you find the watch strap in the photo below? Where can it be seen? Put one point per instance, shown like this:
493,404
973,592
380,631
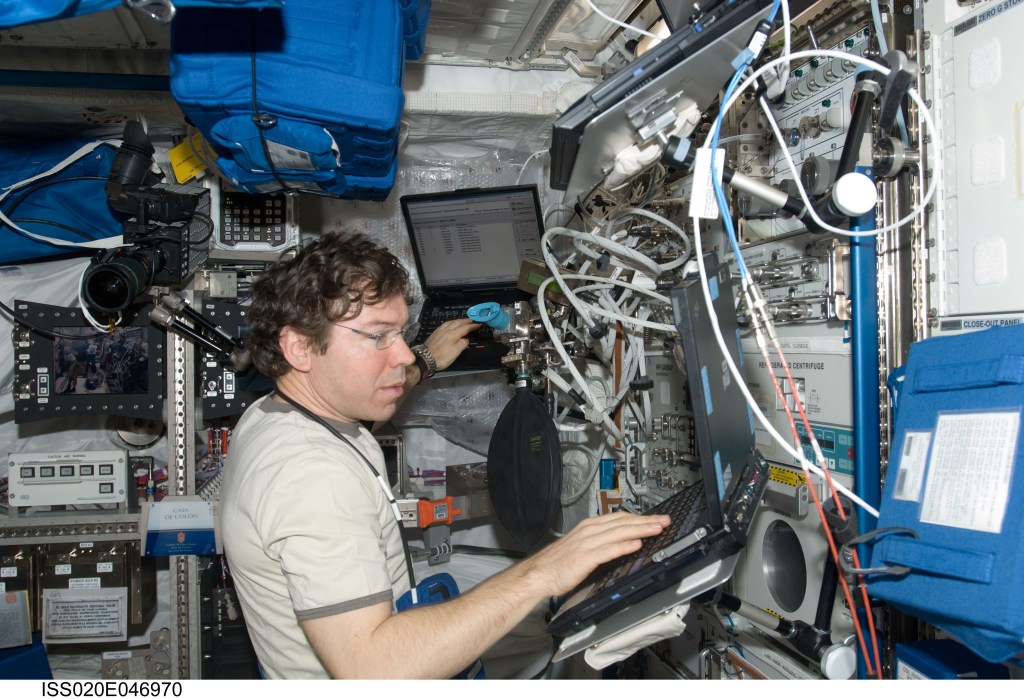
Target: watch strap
425,361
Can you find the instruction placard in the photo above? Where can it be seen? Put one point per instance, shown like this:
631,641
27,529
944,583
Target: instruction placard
74,616
969,471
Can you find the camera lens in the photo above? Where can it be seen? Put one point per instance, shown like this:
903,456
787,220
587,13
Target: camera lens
111,285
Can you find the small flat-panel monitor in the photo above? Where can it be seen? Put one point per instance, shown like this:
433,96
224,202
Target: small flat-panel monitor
67,368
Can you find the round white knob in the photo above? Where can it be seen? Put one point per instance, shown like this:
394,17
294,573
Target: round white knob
832,118
854,194
839,662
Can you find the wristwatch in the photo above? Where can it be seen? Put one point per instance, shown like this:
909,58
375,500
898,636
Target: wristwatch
425,361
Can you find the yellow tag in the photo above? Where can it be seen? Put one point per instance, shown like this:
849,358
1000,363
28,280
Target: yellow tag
185,160
786,476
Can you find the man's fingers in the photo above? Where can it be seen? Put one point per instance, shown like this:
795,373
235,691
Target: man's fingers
623,519
612,536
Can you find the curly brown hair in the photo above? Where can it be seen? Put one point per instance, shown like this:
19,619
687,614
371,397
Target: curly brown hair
329,280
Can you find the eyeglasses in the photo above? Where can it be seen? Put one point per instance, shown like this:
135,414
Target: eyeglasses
386,339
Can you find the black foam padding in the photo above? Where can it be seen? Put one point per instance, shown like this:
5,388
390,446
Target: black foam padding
524,469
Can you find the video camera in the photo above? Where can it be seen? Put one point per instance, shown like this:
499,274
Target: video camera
165,235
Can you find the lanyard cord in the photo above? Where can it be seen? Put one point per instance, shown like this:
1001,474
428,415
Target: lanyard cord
383,484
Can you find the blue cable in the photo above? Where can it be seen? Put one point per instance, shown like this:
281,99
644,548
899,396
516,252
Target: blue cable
744,59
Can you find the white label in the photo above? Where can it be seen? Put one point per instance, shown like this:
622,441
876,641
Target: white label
906,672
8,572
105,567
783,664
86,545
913,459
969,471
117,655
288,158
702,196
757,43
84,584
62,569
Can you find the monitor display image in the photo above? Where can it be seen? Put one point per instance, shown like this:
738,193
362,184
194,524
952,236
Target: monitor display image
473,238
114,363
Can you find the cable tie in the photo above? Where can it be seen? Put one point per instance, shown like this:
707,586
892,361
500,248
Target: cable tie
745,57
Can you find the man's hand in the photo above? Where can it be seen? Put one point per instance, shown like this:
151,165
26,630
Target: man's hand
565,563
374,642
447,342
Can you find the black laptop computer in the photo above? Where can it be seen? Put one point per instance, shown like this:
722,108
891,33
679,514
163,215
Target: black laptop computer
469,245
710,518
695,61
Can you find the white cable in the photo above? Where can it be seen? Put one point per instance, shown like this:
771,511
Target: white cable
558,207
594,410
561,383
621,24
627,370
754,407
553,267
925,113
617,282
105,243
603,282
566,360
619,250
585,486
625,320
527,162
672,227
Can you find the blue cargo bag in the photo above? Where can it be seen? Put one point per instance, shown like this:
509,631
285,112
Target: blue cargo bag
305,98
66,210
13,14
953,556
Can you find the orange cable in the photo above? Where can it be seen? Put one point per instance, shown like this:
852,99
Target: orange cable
817,503
848,596
842,515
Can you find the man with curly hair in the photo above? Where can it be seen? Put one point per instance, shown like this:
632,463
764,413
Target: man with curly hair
310,530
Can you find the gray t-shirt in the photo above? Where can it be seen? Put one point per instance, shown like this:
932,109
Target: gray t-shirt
307,528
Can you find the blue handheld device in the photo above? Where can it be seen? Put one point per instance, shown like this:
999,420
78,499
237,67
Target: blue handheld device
489,313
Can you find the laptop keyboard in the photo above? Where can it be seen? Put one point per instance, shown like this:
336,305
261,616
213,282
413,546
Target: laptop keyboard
437,315
687,508
431,320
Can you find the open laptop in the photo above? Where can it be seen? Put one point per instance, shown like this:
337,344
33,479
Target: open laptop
469,245
695,61
710,518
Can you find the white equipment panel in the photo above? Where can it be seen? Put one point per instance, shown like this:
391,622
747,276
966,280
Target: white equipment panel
74,478
977,91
